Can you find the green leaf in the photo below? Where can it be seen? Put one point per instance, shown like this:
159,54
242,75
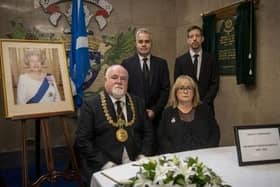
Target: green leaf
180,180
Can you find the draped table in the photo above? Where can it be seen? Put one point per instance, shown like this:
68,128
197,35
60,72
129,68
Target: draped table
223,161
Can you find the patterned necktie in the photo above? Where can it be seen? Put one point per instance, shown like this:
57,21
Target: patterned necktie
119,109
195,62
145,69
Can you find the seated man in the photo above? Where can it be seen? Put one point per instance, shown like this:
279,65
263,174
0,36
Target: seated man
113,126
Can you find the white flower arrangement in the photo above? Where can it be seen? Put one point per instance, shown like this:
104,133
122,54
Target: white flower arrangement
174,172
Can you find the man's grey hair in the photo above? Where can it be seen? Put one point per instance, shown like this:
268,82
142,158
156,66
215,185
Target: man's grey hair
107,71
143,30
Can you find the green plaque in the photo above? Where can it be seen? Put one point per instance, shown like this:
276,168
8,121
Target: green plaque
225,45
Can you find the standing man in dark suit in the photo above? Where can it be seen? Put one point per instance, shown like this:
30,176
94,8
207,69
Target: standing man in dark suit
113,126
148,76
199,65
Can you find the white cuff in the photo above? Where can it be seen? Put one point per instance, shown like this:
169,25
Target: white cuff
108,165
139,157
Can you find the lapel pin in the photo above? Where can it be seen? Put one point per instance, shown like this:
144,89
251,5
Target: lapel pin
173,120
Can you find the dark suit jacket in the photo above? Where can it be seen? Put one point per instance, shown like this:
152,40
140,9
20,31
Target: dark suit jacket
208,83
96,140
175,135
159,82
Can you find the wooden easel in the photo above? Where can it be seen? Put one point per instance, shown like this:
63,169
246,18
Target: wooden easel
52,174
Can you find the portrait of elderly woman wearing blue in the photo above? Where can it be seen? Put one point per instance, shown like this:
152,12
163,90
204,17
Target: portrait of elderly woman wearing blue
36,86
186,124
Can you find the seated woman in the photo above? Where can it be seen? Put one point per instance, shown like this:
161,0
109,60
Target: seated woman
186,123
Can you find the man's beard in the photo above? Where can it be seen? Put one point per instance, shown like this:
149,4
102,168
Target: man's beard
195,46
118,92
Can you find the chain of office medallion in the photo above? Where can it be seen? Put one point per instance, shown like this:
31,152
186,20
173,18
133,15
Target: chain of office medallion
109,117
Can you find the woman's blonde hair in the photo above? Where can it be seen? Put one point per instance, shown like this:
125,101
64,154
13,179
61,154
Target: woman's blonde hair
34,52
173,100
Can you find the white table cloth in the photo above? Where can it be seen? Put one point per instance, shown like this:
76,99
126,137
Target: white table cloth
223,160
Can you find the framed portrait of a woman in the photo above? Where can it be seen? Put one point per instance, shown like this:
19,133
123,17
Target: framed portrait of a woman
35,80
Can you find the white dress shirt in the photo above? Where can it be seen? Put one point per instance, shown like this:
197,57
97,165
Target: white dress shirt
142,62
199,60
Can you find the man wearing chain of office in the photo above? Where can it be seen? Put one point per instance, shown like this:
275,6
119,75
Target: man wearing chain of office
113,126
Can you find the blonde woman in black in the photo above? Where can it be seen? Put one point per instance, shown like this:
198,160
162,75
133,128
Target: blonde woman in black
186,123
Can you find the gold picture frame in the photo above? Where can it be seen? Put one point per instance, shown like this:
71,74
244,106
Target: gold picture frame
19,79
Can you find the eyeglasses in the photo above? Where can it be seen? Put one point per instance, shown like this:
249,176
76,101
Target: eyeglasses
187,88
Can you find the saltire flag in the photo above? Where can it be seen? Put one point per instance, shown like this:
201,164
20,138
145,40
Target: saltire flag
79,53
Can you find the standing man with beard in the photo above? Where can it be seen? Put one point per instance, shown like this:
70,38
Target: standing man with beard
199,65
113,126
148,76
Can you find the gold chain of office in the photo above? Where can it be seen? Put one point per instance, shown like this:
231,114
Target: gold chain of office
109,117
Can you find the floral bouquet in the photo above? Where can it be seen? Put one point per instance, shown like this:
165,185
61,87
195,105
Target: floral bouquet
174,172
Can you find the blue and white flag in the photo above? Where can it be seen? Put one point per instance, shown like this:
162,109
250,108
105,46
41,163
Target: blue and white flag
79,53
